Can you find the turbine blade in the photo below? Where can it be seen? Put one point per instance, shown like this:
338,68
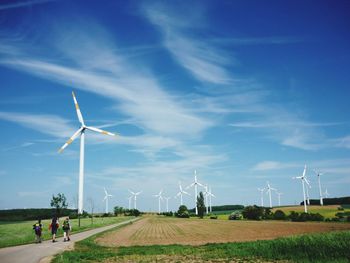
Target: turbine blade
71,139
100,131
80,116
189,186
304,172
105,191
185,193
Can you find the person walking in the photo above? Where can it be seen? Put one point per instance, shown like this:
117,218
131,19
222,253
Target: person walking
38,229
66,229
54,227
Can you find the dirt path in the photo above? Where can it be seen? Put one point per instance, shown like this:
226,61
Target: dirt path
34,253
163,231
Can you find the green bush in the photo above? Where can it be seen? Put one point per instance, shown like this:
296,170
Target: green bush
235,216
279,215
213,217
253,212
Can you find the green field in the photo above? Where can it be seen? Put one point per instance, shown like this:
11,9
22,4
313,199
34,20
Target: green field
324,247
327,211
19,233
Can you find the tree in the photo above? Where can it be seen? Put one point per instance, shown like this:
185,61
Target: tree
253,212
118,210
200,205
182,212
59,202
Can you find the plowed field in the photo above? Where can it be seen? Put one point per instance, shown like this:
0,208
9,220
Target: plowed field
164,231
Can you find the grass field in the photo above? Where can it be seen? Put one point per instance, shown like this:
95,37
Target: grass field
18,233
327,211
324,247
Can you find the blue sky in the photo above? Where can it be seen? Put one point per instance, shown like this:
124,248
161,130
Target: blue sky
242,91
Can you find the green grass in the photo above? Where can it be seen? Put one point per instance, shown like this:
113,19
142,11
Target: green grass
19,233
324,247
325,211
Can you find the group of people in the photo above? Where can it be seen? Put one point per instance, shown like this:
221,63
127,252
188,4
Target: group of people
54,226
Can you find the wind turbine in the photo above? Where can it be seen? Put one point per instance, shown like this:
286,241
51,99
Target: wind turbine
180,193
319,185
210,196
195,183
167,203
81,132
129,198
279,198
268,191
160,197
206,193
303,180
107,195
262,196
135,196
326,194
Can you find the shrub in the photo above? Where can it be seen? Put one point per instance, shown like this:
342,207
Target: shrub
294,216
253,212
182,212
235,216
279,215
213,217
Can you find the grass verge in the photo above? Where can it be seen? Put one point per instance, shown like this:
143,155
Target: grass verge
20,233
324,247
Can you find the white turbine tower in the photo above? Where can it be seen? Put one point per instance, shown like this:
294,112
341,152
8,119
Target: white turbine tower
210,196
129,198
279,198
167,203
195,183
135,197
160,197
268,191
319,185
81,132
303,180
206,194
180,193
262,196
107,195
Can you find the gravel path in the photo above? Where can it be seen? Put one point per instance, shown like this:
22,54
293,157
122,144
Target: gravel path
34,253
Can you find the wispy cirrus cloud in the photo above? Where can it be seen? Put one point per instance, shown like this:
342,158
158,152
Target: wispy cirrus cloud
204,61
21,4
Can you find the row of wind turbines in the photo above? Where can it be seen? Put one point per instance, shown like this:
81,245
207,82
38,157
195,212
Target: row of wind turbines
306,187
207,194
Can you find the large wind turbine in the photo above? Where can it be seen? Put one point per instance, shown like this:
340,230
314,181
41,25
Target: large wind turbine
180,193
81,132
195,183
135,196
319,185
107,195
210,196
303,180
268,191
160,197
262,190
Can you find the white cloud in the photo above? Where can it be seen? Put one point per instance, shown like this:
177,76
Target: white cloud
205,62
23,4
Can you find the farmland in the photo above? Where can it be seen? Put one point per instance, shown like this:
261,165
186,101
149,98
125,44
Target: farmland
164,231
158,239
18,233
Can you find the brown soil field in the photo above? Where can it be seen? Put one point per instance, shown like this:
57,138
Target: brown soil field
164,231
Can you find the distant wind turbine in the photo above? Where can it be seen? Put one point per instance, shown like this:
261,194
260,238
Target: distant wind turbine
319,185
167,203
195,183
326,194
303,181
268,191
210,196
279,198
160,197
81,132
262,190
180,193
135,197
106,199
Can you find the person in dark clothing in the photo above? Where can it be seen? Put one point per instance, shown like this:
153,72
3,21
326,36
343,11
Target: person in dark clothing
38,229
54,227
